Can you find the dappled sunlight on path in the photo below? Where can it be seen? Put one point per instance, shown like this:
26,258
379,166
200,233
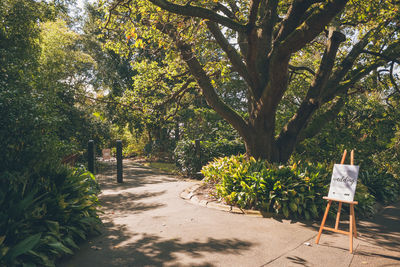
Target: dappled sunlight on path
146,223
384,229
118,246
135,175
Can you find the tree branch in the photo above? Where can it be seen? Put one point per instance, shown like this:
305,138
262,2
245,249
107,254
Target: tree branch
392,78
268,24
311,27
231,52
325,68
388,58
254,4
199,12
226,11
204,82
333,89
209,92
293,17
299,68
318,123
112,8
342,87
185,87
288,138
252,43
347,63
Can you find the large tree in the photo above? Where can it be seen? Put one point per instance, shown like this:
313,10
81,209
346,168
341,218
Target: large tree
267,43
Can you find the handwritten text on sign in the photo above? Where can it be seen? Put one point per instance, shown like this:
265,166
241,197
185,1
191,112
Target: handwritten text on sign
343,182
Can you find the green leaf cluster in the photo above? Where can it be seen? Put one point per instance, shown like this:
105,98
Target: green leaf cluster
45,208
382,185
44,215
294,191
190,161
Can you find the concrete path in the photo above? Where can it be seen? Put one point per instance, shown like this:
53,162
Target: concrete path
146,223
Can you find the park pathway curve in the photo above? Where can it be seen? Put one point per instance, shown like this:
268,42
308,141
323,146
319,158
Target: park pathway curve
146,223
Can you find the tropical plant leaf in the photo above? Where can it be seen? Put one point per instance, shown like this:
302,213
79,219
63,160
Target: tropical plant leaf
23,246
61,248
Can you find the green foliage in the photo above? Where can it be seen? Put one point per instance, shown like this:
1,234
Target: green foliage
132,143
366,201
163,101
389,159
294,191
366,123
370,126
382,185
205,124
190,163
27,127
64,75
25,133
277,108
45,208
42,72
44,215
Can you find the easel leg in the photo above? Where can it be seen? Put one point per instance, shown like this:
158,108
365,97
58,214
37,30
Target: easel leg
354,219
323,221
338,215
351,227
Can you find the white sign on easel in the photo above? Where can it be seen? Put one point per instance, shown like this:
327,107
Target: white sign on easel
343,182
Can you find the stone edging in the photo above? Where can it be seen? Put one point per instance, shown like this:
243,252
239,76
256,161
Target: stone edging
189,195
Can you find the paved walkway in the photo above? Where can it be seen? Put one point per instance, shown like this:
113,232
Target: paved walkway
146,223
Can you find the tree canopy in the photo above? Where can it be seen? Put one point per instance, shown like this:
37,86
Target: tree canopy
323,49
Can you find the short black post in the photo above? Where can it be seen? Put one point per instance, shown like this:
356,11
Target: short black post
90,156
198,153
119,161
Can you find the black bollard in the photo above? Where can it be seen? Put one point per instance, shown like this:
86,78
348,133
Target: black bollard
119,161
198,154
91,156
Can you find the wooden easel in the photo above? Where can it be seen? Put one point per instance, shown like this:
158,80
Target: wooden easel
352,224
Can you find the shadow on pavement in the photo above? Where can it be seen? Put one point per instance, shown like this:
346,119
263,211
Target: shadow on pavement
134,175
373,254
299,261
119,247
383,230
127,202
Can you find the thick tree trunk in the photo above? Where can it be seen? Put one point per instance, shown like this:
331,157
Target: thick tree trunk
260,138
260,146
264,146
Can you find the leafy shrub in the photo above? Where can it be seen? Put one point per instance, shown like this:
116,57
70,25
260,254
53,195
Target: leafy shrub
366,201
190,163
43,215
382,185
185,157
294,191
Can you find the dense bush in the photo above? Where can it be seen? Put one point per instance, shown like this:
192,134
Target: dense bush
382,185
367,124
43,215
294,191
190,163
